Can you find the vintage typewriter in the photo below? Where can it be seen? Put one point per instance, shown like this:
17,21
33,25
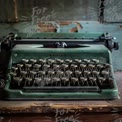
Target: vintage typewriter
58,66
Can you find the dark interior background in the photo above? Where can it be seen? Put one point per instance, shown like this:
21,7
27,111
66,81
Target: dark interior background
86,11
6,10
113,11
64,9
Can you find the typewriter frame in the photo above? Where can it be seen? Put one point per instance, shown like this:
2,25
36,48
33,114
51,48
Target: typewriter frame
104,41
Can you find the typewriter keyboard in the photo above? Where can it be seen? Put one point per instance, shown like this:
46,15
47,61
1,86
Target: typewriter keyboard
60,74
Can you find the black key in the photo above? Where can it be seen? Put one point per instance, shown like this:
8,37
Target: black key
25,61
13,74
59,61
83,81
77,60
95,60
17,80
33,61
37,81
50,61
68,61
42,61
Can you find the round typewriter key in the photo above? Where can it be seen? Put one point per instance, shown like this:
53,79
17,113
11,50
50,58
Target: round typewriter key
83,81
73,66
65,81
68,73
105,73
107,65
78,73
77,60
59,60
55,66
86,60
20,66
50,72
37,81
56,81
92,81
74,81
25,61
100,66
14,69
47,81
50,61
33,61
92,78
86,73
42,73
13,74
82,66
23,73
95,73
28,66
42,61
91,66
46,66
68,61
64,66
101,80
32,74
28,81
95,60
37,66
60,73
18,80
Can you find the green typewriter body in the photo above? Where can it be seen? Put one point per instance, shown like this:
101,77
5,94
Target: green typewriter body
59,69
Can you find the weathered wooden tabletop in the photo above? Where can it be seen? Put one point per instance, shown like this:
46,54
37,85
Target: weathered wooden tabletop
51,106
62,118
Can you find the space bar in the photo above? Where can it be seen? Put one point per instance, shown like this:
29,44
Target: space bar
61,89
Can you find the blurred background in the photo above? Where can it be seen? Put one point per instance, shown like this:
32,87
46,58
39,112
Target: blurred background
94,16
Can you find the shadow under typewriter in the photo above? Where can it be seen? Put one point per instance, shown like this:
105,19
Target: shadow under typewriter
60,74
